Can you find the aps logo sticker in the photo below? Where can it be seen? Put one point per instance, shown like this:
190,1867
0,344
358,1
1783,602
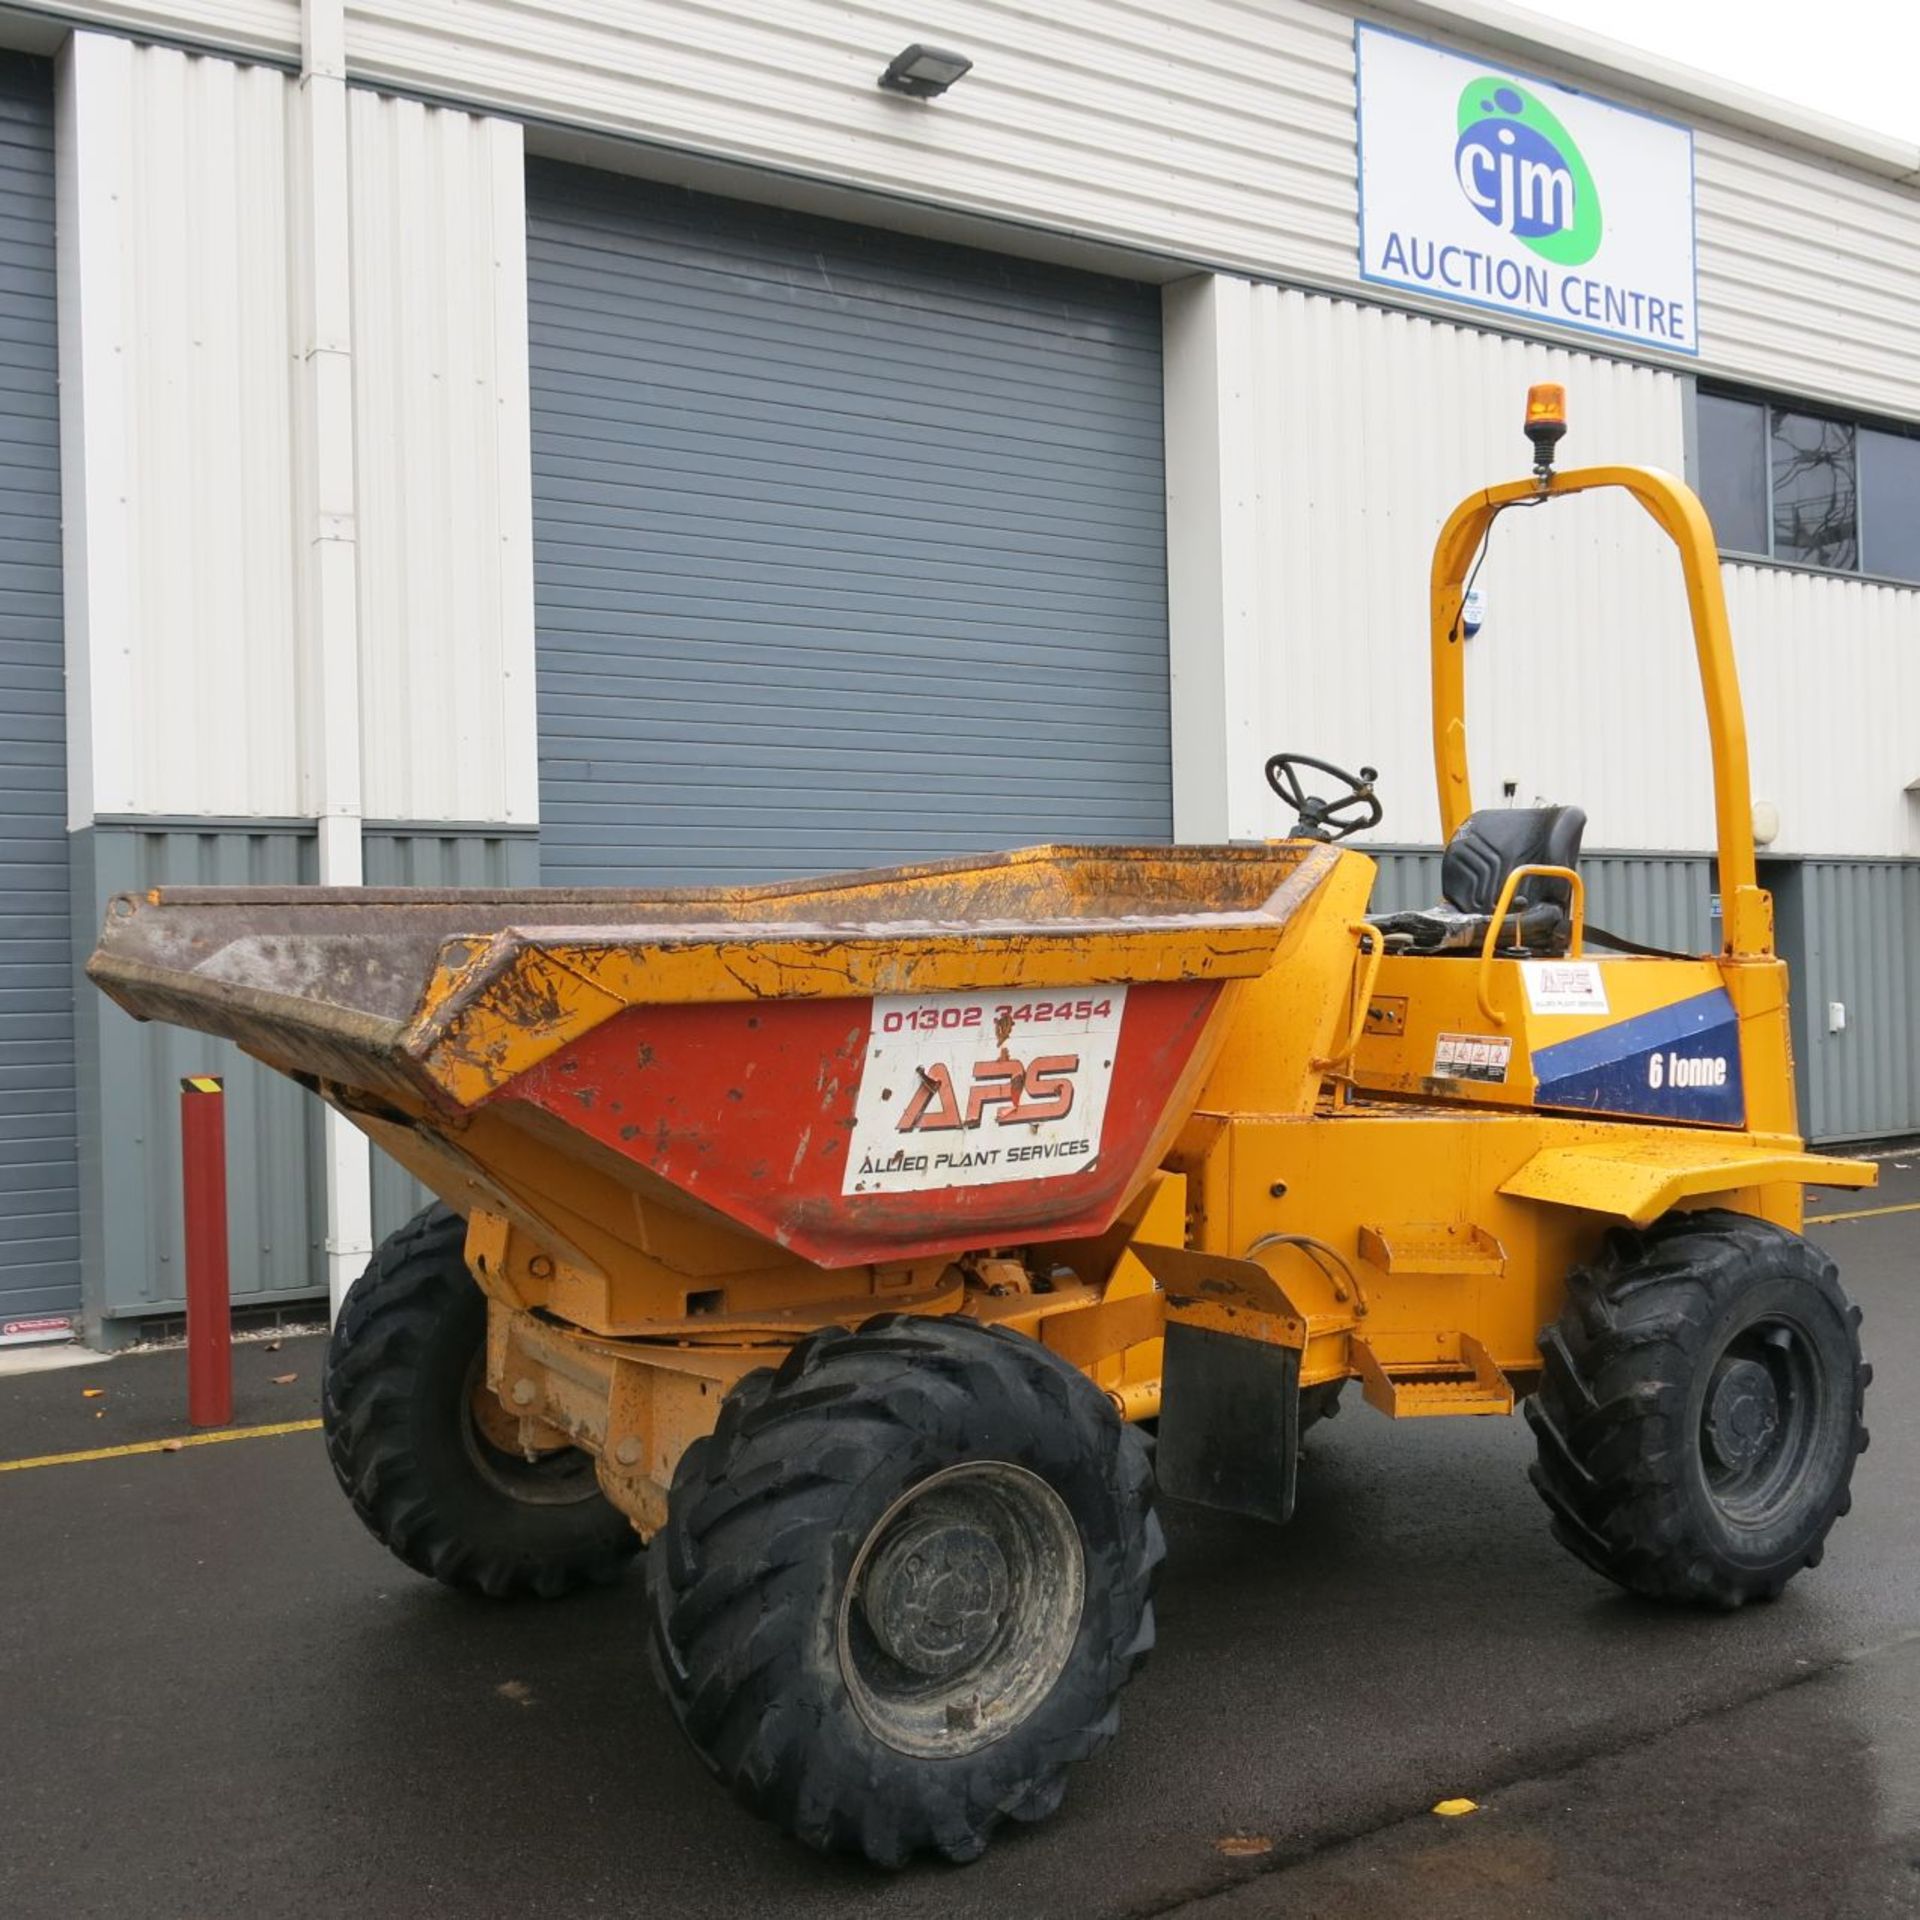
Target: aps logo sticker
1523,173
972,1089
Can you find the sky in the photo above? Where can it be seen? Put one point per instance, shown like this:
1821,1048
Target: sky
1857,60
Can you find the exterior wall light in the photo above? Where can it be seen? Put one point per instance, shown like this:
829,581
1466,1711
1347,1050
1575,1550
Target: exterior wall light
924,73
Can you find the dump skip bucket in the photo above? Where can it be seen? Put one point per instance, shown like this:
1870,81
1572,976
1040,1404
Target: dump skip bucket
871,1066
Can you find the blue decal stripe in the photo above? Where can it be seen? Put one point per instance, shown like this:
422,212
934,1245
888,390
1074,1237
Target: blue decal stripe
1663,1027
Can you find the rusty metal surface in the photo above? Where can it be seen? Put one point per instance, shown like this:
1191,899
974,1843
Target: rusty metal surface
700,1050
451,992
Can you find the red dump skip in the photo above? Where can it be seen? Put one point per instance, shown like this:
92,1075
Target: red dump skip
753,1107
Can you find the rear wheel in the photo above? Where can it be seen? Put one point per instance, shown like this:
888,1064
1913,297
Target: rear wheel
1700,1409
427,1455
902,1584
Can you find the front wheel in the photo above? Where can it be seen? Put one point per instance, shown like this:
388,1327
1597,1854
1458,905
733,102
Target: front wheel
902,1584
1700,1409
425,1452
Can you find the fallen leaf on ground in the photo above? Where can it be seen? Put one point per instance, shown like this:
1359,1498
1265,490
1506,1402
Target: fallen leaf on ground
1453,1809
1244,1846
285,1379
93,1393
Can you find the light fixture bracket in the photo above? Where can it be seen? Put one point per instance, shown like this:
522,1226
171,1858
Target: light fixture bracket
924,73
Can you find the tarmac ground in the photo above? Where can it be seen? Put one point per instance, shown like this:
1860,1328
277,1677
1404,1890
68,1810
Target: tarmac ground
221,1698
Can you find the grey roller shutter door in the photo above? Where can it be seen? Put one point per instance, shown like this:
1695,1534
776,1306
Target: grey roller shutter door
849,548
39,1224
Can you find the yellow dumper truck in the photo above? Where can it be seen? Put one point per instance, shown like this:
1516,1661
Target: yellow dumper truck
844,1240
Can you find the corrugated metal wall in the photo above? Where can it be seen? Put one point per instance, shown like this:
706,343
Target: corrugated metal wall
1861,942
39,1180
1830,669
189,158
1582,686
1354,432
131,1096
1219,132
850,548
445,535
196,712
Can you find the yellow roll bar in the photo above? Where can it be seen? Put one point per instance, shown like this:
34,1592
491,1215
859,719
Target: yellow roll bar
1747,912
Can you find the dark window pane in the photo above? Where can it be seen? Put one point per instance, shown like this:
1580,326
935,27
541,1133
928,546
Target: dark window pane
1813,491
1733,471
1890,504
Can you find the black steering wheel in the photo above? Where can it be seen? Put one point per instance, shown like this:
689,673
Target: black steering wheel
1356,810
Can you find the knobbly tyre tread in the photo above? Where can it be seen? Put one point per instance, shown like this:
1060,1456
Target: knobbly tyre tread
395,1369
774,1503
1617,1431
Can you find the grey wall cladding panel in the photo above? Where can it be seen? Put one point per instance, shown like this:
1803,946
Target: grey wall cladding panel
39,1180
848,547
130,1084
415,856
1861,934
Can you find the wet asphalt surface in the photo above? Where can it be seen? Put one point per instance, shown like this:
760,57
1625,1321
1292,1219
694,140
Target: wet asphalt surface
220,1698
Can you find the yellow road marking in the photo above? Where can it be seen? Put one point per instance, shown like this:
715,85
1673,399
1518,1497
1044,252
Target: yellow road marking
160,1446
1861,1213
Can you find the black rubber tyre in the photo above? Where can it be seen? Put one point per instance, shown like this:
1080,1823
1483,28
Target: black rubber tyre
396,1403
872,1555
1700,1409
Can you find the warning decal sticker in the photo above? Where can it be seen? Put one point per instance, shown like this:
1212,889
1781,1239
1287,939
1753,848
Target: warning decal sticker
972,1089
1471,1056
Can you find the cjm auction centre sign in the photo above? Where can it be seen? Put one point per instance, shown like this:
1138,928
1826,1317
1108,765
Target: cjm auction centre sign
1497,190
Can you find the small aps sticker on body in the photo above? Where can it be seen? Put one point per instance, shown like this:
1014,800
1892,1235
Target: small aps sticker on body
1565,986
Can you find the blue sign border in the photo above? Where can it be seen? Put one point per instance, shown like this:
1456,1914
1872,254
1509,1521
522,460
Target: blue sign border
1521,315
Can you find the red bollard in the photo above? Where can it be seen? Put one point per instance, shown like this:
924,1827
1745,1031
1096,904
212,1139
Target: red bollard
203,1168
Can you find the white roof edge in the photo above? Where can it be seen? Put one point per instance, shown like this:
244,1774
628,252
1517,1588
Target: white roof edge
1688,91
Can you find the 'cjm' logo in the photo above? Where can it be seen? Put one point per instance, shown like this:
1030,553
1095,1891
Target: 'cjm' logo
1521,170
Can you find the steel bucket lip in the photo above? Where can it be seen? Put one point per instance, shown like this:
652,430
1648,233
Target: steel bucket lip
379,989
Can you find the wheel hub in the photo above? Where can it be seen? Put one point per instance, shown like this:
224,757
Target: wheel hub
1743,1413
936,1595
961,1608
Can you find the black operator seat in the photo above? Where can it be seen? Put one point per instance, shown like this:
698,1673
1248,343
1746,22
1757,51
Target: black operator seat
1478,860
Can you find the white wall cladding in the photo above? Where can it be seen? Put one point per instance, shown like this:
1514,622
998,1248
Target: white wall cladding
268,28
179,339
1351,433
1221,129
1343,435
441,436
1831,672
1809,276
1219,132
175,339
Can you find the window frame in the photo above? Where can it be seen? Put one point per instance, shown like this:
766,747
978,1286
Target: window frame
1768,402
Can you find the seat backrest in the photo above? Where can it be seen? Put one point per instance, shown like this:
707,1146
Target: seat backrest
1492,842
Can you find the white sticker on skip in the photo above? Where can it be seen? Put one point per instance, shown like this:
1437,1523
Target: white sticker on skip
970,1089
1565,986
